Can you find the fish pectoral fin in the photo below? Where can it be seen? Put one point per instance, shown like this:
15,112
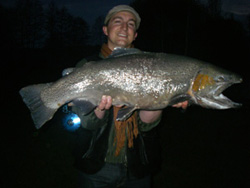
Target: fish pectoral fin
125,113
84,106
179,98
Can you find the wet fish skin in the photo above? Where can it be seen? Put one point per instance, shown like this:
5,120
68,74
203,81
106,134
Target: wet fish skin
139,80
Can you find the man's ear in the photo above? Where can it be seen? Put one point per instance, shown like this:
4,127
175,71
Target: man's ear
136,34
105,30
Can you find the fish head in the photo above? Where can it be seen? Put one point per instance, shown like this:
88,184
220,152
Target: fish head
208,85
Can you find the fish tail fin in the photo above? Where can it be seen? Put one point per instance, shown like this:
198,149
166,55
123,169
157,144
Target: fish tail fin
32,98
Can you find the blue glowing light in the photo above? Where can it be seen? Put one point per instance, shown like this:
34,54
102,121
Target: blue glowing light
71,122
76,120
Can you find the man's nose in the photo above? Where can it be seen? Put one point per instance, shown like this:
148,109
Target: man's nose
124,26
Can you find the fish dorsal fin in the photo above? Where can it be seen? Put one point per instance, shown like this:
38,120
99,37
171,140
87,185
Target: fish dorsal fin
118,51
67,71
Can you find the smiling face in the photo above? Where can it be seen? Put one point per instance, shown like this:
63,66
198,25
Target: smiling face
121,30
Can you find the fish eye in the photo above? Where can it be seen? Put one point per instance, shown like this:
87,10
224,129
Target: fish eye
220,79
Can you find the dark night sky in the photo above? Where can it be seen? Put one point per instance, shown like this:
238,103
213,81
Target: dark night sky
91,9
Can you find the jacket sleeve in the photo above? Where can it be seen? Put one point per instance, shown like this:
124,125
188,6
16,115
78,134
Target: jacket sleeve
90,121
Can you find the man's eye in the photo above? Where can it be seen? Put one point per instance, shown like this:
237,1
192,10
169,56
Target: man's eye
117,21
131,24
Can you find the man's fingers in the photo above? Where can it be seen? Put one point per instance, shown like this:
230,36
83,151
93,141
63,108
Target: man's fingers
178,105
181,104
105,103
109,103
184,104
71,104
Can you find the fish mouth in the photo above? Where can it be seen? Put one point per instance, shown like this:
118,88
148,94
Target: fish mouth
222,86
219,100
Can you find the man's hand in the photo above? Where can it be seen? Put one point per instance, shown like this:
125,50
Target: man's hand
182,105
150,116
105,104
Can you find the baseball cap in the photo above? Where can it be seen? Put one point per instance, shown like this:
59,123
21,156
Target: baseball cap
121,8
